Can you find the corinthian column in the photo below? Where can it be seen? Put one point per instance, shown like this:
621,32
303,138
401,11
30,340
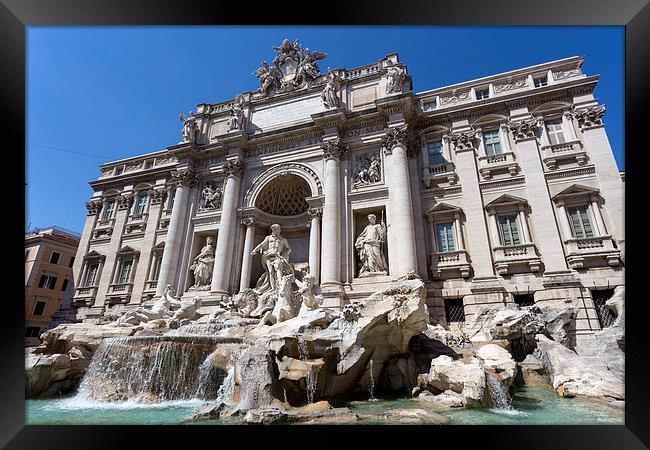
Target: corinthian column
331,253
247,261
399,197
185,181
226,238
314,242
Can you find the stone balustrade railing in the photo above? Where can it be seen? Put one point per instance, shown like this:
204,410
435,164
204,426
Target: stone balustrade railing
443,171
572,150
456,260
506,256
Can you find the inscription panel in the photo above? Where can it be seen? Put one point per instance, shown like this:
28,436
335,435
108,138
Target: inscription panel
270,116
364,95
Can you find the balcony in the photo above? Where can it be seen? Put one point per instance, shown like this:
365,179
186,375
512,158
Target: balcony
449,264
84,296
136,223
119,292
565,152
507,258
439,172
151,285
595,250
103,227
502,162
165,218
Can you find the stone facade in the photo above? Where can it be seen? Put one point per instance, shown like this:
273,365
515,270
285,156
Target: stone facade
493,191
49,256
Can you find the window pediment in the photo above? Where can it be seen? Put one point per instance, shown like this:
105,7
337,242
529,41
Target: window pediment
574,191
506,200
94,255
127,250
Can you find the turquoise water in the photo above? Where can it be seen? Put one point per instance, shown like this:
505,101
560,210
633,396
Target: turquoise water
530,406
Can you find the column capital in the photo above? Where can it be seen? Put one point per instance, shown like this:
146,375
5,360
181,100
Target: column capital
124,201
94,206
334,149
395,136
590,117
234,168
185,178
524,129
248,221
315,213
462,141
157,195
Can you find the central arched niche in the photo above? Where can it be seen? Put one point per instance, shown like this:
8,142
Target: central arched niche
285,195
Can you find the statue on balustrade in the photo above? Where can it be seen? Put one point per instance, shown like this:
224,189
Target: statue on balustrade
189,128
396,76
203,265
370,244
275,251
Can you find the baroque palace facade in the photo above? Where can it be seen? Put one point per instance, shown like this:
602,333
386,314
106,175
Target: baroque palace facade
498,190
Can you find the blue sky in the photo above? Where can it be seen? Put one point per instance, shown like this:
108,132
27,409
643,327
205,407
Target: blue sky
96,94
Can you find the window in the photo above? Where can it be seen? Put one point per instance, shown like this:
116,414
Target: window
555,132
605,315
435,152
148,164
155,270
540,81
54,257
524,299
509,230
482,93
109,207
172,194
125,271
47,282
445,237
580,222
428,106
65,285
119,170
91,274
39,308
32,331
454,310
492,142
71,262
140,204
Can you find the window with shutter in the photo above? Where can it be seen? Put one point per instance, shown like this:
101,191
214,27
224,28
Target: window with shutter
580,222
445,234
125,271
91,273
509,230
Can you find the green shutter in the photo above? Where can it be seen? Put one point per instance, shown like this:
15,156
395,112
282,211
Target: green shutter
509,230
445,233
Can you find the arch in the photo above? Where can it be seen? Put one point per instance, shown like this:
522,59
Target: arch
550,107
300,170
111,192
142,187
489,119
435,129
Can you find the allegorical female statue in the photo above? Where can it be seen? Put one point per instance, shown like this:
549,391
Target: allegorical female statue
369,245
203,265
330,92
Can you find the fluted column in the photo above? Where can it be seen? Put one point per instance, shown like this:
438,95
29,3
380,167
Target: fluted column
564,221
399,195
247,260
168,267
314,242
227,227
598,217
331,253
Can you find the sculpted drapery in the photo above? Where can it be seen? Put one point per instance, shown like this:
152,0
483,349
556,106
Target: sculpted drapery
369,245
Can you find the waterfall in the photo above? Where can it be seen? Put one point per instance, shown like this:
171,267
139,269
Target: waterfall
498,394
224,394
153,369
372,383
312,378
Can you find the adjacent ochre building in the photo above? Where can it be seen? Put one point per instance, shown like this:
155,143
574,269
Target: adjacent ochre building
49,257
498,190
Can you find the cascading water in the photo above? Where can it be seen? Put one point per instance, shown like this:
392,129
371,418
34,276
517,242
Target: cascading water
498,394
224,394
372,383
312,378
153,369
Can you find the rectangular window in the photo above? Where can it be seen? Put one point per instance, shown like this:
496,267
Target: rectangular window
428,106
580,222
125,271
509,230
605,315
119,170
445,236
454,310
91,274
540,81
39,308
172,194
109,207
65,285
71,262
524,299
54,257
555,132
435,153
492,142
47,282
156,267
482,93
141,204
148,164
32,331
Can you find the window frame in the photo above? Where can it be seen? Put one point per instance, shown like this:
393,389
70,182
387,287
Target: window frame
536,78
36,304
502,236
482,90
590,219
84,282
452,230
560,131
58,257
440,153
105,210
492,133
136,205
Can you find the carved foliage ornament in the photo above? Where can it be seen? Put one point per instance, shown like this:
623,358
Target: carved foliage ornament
124,201
234,168
186,178
395,136
157,196
315,212
524,129
463,140
334,149
590,118
93,207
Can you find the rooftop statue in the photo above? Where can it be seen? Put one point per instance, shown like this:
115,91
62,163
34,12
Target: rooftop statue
189,128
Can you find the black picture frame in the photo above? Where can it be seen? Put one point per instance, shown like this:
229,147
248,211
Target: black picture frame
16,15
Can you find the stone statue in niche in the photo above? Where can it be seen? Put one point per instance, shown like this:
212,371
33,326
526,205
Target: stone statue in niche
189,128
275,251
370,244
212,196
161,309
203,265
396,76
368,169
330,95
236,119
